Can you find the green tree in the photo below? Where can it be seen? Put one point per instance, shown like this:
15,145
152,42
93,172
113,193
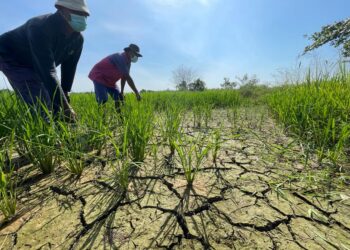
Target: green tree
182,86
197,85
247,80
337,34
248,85
227,84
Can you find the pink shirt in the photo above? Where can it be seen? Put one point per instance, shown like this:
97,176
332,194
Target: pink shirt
111,69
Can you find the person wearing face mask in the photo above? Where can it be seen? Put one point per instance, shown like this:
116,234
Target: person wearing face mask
110,70
30,54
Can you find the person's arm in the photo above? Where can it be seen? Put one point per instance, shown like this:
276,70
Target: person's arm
122,86
40,43
124,68
131,84
69,66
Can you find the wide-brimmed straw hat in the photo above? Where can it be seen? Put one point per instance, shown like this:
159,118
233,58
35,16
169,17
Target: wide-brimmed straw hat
77,5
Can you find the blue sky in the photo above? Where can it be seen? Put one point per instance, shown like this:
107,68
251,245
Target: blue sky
217,38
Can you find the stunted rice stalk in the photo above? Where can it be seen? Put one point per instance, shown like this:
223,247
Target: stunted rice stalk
216,144
121,168
191,153
124,167
198,115
8,193
8,109
172,125
232,116
73,146
208,112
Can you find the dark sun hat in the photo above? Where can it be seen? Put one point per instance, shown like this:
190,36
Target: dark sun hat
133,48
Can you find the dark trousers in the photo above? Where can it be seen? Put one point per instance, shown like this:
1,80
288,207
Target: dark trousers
27,85
101,93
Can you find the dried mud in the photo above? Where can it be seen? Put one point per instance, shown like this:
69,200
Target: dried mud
234,203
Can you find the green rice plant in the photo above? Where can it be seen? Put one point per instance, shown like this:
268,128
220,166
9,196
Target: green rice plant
8,193
138,121
121,168
338,148
191,153
75,163
8,107
188,99
77,142
72,148
261,119
95,121
279,188
37,139
172,125
216,144
124,167
317,112
232,115
198,115
208,112
155,157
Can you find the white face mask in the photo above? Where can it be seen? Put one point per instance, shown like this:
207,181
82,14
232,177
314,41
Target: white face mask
134,59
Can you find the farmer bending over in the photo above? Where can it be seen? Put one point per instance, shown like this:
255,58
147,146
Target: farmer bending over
110,70
30,54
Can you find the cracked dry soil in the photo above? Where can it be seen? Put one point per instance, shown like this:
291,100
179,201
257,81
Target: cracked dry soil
231,205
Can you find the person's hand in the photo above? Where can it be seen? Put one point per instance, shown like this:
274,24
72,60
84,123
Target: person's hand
67,96
138,97
70,115
122,97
